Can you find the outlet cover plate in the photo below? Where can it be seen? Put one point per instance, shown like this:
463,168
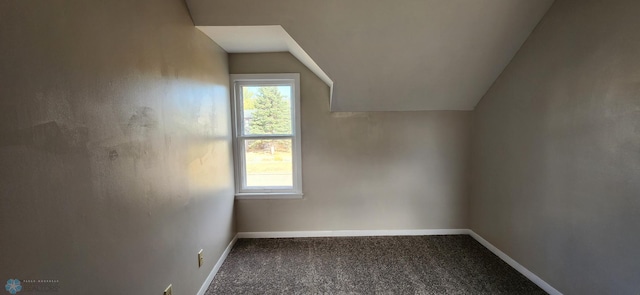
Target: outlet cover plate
200,258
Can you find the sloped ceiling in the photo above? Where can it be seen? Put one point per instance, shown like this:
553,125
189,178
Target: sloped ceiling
394,55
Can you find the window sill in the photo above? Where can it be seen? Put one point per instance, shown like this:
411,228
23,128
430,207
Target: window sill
268,196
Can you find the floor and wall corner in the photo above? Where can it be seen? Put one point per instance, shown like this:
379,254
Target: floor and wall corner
117,167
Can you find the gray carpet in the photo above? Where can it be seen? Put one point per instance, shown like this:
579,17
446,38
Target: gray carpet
455,264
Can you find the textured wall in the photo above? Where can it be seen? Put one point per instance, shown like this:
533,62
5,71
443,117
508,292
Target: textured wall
115,158
386,170
556,150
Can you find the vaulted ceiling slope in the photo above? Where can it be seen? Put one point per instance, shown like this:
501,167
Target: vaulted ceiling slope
394,55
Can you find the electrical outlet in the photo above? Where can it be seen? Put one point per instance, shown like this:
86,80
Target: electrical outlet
200,258
167,291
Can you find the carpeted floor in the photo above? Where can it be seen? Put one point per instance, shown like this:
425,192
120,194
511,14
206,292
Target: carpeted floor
455,264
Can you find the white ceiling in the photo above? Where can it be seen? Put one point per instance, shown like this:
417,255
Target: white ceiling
393,55
253,39
242,39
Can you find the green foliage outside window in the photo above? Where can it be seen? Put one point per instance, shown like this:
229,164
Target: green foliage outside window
272,115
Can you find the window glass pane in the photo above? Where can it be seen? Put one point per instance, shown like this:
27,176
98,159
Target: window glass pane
266,110
268,163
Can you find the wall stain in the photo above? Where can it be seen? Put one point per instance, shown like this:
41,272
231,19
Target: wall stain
113,154
140,131
48,136
142,122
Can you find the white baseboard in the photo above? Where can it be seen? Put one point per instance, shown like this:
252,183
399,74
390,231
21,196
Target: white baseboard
350,233
361,233
517,266
216,267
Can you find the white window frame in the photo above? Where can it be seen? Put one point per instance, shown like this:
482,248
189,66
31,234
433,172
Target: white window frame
242,192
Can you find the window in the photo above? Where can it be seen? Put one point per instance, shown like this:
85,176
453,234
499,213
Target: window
267,135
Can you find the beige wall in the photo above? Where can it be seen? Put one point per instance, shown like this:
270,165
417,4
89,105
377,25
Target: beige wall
115,158
387,170
556,150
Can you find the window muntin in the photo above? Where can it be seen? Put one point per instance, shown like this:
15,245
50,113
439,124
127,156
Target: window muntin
266,135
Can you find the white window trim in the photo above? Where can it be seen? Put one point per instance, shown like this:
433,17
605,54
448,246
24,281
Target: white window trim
236,80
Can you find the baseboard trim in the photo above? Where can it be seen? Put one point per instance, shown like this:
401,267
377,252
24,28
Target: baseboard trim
517,266
216,267
350,233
